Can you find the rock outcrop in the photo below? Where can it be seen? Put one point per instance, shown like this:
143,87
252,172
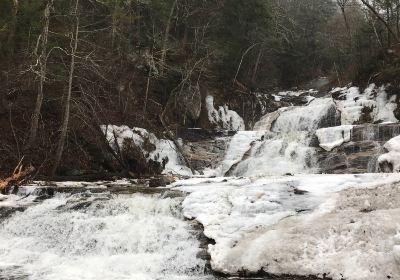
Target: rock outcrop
206,150
360,154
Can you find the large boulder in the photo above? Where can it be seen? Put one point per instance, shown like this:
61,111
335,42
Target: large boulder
189,103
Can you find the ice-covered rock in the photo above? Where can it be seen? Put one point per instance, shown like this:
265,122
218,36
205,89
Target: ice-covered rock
371,106
320,112
390,162
223,118
297,92
165,151
332,137
301,225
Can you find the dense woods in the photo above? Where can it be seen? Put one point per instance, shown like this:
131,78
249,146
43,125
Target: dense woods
67,67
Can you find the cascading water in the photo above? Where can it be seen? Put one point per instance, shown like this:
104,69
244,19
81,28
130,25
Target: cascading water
103,236
100,237
280,142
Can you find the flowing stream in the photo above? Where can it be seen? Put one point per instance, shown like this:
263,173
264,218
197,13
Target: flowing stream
281,142
104,236
90,236
100,237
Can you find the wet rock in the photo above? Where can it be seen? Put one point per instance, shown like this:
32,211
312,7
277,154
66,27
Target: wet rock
206,153
200,134
375,132
352,157
386,167
203,255
299,192
361,153
161,181
157,182
6,211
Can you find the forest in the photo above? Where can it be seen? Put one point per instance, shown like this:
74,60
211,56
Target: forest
68,67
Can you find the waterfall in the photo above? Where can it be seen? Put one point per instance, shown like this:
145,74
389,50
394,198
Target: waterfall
283,146
100,237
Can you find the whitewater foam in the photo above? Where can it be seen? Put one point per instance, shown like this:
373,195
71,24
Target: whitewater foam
100,237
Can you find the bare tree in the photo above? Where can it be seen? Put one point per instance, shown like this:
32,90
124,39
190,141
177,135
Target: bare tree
64,127
11,33
166,36
42,63
376,13
342,5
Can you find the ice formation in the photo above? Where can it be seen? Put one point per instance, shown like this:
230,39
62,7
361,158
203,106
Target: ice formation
222,117
332,137
165,149
304,224
305,118
390,162
123,237
373,104
297,92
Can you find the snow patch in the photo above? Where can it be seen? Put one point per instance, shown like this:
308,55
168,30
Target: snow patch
165,152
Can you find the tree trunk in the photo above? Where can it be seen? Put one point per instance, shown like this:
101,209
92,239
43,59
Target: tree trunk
64,127
256,65
381,19
42,60
11,33
346,22
398,19
165,41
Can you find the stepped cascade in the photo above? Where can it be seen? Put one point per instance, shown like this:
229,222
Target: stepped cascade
264,206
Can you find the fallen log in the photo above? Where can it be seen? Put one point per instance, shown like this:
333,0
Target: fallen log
19,176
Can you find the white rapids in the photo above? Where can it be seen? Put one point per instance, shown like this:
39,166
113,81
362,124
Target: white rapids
282,147
121,237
